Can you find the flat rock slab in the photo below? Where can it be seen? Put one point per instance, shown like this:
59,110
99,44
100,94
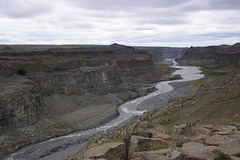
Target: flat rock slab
230,147
139,143
161,152
151,155
216,139
197,150
108,151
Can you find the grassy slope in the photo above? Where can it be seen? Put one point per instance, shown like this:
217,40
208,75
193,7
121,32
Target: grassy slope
211,71
166,68
216,102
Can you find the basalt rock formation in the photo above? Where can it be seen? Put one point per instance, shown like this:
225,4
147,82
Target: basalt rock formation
187,141
223,54
54,88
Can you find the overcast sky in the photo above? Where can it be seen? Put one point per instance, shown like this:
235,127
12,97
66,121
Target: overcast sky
129,22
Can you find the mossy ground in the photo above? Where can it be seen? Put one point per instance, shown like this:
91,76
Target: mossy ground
211,71
166,68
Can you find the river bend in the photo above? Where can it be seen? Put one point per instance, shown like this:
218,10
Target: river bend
57,148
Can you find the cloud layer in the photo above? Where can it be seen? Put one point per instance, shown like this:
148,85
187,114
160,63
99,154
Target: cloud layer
135,22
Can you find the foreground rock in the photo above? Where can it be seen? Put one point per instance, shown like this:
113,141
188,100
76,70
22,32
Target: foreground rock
108,150
178,146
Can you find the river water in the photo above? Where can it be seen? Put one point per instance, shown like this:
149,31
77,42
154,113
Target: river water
59,147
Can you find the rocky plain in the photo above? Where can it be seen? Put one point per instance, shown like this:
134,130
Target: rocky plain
48,91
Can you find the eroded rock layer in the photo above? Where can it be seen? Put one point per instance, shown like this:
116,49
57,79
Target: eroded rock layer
48,82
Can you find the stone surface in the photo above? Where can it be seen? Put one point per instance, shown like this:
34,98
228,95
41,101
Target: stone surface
148,144
213,148
107,151
139,144
152,155
216,140
197,150
230,147
156,134
234,158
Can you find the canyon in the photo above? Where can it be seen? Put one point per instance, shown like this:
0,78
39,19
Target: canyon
48,91
204,125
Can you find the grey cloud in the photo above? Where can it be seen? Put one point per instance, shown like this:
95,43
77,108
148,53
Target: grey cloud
223,4
198,5
4,40
131,21
133,5
23,9
126,4
164,21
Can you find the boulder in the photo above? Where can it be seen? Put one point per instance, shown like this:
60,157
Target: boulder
236,124
216,139
151,155
148,144
197,150
179,155
139,144
199,130
200,138
234,158
161,152
213,149
226,130
107,151
230,147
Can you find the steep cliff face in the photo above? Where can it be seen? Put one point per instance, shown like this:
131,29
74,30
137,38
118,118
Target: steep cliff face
101,70
46,83
223,54
159,54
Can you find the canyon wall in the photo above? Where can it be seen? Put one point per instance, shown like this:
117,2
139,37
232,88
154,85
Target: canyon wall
224,54
47,91
29,76
159,54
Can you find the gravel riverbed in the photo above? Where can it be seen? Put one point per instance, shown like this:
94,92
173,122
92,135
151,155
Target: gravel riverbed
180,89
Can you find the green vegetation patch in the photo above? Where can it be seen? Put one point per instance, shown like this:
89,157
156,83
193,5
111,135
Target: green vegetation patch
180,145
222,156
166,68
211,71
56,128
237,155
203,63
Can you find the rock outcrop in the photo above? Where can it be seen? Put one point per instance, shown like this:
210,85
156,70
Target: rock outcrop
224,54
53,84
179,146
